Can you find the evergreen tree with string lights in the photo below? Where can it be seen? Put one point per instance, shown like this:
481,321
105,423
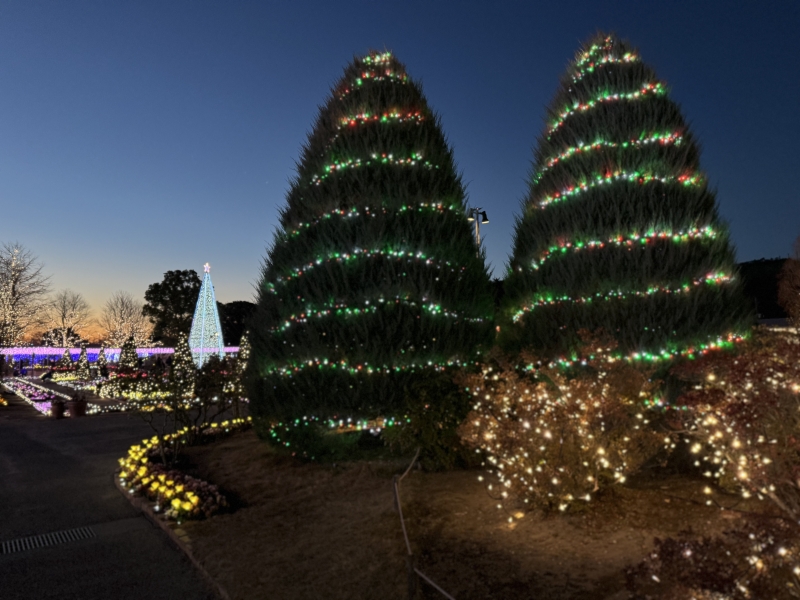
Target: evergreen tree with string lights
373,276
102,362
83,372
620,230
128,358
183,370
65,362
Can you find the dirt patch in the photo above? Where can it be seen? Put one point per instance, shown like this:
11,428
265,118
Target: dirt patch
322,531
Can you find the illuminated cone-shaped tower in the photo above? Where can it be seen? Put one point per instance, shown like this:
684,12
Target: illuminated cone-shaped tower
620,230
373,276
205,337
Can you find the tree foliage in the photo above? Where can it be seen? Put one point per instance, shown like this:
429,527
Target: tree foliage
373,274
234,317
170,304
620,229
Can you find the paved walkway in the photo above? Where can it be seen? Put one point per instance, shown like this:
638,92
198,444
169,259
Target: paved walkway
57,475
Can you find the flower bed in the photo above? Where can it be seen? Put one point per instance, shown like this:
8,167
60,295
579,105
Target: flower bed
64,376
178,495
37,396
78,385
134,386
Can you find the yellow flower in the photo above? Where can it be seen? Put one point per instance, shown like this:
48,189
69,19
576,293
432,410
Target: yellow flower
178,488
187,506
176,504
162,478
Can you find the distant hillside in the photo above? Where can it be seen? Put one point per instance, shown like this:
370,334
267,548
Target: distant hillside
761,286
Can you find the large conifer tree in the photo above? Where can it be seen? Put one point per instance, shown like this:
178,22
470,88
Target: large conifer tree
620,230
373,274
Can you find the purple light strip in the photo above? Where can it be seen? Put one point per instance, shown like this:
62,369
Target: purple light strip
49,351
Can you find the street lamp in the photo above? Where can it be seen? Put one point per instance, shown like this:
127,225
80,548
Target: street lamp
472,215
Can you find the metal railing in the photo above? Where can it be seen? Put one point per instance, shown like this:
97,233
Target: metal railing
411,561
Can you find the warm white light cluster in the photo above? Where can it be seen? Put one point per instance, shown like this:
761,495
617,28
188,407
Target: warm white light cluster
555,441
744,419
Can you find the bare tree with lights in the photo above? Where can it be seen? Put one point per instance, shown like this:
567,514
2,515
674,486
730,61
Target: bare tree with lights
122,318
23,288
66,315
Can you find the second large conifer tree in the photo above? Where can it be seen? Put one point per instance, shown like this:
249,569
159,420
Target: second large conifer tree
620,230
373,276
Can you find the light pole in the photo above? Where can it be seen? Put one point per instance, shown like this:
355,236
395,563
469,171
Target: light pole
473,214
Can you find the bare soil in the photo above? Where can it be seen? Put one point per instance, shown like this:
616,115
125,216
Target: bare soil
299,530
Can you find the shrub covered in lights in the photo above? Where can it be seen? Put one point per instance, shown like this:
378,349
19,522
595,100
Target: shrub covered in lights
373,274
759,559
741,417
620,229
742,413
552,441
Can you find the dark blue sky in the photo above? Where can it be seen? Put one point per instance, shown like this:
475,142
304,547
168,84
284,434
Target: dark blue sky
139,137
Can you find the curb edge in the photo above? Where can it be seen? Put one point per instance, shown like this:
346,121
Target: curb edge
176,535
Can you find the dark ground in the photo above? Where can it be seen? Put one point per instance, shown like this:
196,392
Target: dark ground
57,475
308,531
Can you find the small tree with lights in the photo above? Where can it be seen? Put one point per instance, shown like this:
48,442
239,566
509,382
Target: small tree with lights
620,229
128,358
102,363
183,371
83,371
65,362
373,276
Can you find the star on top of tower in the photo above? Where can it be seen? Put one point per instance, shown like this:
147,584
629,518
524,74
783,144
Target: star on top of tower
207,268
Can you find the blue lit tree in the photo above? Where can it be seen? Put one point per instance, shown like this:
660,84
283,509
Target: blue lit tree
373,277
620,230
205,337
